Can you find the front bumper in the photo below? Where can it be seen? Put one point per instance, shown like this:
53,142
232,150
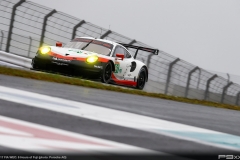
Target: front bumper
50,63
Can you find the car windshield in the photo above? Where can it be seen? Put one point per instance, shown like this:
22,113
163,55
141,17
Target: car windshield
94,46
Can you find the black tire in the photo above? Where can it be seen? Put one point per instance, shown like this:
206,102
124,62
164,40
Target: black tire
34,66
38,65
141,79
107,73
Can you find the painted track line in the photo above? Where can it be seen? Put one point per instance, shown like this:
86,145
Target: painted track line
37,138
121,118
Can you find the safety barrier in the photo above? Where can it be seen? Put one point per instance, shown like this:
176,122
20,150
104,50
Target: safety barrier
15,59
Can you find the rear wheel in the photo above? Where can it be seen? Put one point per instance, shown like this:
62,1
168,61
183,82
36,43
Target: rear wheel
141,79
106,74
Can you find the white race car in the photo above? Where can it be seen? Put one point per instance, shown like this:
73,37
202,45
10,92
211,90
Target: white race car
104,59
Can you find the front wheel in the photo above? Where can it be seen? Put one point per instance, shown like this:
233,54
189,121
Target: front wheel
34,65
106,74
141,79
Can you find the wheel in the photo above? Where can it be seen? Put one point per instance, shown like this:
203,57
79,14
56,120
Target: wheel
141,79
106,74
34,66
38,65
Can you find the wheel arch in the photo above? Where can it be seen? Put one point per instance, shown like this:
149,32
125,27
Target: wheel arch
113,66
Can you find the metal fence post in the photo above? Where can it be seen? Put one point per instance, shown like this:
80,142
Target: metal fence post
237,98
189,79
75,28
208,84
1,40
199,75
133,41
148,59
11,24
44,26
105,34
224,91
169,74
30,45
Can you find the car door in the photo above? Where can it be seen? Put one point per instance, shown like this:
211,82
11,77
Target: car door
121,66
128,60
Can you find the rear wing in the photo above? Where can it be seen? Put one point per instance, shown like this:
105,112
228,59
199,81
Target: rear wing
154,51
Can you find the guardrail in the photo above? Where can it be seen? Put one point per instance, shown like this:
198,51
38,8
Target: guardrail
15,59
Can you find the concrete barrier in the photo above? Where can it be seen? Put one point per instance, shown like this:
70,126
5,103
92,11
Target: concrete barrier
16,60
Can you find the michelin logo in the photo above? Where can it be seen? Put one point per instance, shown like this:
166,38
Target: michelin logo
98,66
60,59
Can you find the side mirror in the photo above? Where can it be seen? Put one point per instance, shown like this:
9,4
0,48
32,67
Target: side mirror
58,44
120,55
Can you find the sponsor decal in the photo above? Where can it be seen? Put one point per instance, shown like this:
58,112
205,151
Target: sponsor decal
57,57
117,68
76,51
60,59
60,64
95,66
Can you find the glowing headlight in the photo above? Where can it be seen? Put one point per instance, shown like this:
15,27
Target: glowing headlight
92,59
45,50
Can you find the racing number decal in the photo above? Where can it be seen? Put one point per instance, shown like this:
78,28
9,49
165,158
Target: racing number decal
117,68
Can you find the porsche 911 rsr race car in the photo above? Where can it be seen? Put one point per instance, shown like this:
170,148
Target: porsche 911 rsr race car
104,59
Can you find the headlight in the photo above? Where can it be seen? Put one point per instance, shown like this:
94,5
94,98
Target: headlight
92,59
45,50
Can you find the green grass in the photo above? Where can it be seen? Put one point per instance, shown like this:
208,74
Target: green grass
91,84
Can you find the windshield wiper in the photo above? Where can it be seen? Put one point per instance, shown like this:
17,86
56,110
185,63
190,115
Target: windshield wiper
86,45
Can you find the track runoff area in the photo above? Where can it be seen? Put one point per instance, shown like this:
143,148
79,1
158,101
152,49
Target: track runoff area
50,124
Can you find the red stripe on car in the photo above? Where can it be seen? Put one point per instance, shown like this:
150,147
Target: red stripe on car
101,59
67,57
123,82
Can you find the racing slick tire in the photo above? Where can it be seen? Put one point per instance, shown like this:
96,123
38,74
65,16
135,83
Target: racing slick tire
107,73
37,66
141,79
34,65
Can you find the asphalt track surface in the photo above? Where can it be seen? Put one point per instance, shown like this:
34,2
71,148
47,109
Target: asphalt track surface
216,119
